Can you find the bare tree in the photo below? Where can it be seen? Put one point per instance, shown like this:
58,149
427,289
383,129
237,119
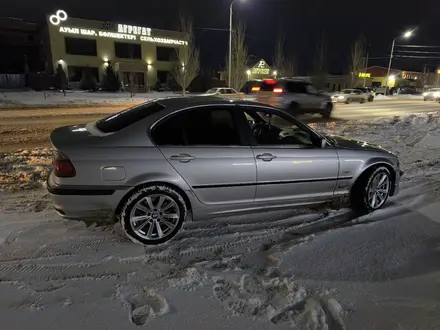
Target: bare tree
357,58
239,58
283,65
131,84
187,56
320,66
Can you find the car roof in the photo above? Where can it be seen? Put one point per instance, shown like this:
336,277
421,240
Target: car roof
183,102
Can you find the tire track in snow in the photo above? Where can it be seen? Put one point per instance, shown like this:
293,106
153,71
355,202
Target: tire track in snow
113,266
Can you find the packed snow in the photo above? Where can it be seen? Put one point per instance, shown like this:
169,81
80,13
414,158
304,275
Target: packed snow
294,269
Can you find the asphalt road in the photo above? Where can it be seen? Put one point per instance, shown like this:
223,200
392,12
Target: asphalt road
31,128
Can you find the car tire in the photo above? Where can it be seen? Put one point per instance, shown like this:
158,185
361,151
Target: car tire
348,101
370,98
362,101
293,108
327,111
362,200
161,211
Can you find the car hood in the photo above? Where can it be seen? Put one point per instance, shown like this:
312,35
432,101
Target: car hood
347,143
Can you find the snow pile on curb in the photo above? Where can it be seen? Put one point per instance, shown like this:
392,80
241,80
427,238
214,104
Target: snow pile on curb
382,97
24,169
415,138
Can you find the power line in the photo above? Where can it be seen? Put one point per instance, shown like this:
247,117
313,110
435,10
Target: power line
418,57
417,52
417,46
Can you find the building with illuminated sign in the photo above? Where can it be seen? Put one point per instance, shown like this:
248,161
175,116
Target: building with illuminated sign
141,53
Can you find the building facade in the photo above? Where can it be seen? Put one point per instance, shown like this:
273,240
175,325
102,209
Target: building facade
140,55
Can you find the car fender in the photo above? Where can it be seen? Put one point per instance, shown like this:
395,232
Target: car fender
373,162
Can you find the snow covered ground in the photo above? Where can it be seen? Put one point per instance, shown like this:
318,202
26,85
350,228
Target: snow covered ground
300,269
74,98
398,97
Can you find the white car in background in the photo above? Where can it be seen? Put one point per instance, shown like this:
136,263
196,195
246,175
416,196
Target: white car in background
431,94
351,95
227,93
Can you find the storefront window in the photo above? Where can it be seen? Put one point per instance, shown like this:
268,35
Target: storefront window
166,54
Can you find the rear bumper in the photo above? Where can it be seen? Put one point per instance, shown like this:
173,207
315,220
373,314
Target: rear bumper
88,203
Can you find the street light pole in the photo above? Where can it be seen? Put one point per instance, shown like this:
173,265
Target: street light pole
405,35
230,44
389,66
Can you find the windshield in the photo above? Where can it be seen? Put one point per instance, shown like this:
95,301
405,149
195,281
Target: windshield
212,90
128,117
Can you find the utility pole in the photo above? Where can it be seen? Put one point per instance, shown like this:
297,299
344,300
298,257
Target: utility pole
366,65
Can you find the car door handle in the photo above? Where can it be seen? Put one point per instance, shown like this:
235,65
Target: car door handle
266,157
183,158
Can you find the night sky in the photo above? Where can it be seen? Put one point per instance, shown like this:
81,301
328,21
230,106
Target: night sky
303,22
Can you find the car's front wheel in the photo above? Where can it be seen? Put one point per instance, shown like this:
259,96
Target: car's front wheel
153,215
371,191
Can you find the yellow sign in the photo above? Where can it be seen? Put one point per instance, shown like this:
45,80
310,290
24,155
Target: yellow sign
261,68
438,71
364,75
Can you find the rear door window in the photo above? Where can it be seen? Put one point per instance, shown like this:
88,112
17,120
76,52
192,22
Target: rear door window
296,87
214,126
128,117
268,86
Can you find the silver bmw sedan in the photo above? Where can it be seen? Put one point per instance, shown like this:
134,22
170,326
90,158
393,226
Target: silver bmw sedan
166,161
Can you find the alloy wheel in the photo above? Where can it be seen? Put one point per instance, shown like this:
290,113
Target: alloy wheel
378,190
154,217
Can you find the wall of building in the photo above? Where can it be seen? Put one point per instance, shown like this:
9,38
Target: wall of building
106,34
19,46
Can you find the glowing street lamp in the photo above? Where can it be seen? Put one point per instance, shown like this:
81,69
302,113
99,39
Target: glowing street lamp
406,35
230,43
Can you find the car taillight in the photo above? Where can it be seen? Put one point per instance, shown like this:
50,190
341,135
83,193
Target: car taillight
62,166
270,81
278,90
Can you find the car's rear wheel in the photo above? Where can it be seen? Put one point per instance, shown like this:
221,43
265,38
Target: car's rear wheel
372,190
327,111
348,101
153,215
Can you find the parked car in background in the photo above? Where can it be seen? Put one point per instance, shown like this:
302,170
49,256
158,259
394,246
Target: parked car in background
152,165
368,91
351,95
224,92
297,96
431,94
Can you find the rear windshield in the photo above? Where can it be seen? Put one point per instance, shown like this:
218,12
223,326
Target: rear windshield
128,117
268,86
